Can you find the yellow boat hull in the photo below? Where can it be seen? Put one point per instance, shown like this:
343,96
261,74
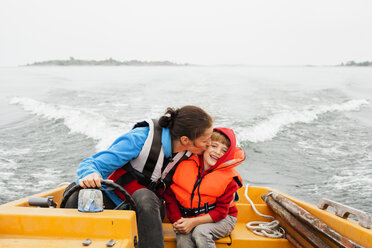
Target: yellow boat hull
24,226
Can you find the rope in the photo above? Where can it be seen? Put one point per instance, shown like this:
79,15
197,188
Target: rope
262,228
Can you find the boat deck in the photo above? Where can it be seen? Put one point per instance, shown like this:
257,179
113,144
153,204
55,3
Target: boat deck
25,226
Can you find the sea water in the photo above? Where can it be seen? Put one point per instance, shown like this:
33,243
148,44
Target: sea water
306,131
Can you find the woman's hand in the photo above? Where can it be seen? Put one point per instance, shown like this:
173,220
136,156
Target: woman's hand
184,225
91,181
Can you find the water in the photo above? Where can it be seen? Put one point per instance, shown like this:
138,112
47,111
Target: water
306,130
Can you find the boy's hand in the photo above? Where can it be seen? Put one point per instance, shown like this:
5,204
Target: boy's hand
184,225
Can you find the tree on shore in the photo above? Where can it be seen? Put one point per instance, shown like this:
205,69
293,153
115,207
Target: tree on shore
353,63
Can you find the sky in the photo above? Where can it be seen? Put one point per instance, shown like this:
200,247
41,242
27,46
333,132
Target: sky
250,32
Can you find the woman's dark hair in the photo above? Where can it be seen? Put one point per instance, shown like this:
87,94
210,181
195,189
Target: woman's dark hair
190,121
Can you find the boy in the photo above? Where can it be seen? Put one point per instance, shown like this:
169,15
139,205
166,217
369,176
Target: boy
200,202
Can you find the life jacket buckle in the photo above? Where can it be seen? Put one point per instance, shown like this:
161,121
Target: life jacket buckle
152,185
161,185
189,212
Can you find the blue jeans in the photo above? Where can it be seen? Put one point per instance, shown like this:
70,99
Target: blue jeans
150,213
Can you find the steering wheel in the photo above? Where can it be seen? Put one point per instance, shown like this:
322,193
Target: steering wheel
129,201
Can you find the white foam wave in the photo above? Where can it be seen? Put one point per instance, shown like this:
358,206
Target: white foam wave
14,151
269,128
78,120
357,179
6,162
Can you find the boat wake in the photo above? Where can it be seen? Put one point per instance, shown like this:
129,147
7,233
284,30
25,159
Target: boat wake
78,120
91,124
270,127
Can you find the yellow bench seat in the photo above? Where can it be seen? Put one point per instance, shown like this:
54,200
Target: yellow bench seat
240,236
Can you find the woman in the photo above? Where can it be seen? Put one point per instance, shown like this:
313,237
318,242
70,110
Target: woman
144,160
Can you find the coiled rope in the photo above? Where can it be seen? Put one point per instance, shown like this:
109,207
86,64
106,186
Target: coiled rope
262,228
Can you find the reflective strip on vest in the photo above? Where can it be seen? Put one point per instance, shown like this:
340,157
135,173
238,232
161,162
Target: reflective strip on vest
174,162
139,162
159,164
152,168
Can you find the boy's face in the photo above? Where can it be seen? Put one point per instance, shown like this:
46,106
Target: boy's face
214,152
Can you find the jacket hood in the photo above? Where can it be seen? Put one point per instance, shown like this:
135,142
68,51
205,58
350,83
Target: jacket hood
231,151
233,157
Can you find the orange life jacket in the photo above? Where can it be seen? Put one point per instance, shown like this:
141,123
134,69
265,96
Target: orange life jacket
197,191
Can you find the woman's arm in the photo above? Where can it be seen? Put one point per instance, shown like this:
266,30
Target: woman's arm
101,165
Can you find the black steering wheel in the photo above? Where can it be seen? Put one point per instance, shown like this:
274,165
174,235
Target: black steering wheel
129,202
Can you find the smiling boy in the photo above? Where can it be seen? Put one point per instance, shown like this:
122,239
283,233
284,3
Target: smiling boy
200,202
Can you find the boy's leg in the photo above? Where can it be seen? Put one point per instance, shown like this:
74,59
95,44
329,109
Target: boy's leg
185,241
205,234
150,212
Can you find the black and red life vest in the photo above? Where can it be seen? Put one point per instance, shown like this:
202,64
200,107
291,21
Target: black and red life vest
151,169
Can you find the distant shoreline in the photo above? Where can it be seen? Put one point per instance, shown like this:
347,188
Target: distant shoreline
112,62
353,63
107,62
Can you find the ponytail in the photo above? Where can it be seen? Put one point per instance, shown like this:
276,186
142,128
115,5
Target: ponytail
190,121
168,118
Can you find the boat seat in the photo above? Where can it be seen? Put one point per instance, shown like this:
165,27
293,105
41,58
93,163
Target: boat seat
241,236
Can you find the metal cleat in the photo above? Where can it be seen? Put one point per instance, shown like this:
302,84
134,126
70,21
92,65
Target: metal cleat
344,211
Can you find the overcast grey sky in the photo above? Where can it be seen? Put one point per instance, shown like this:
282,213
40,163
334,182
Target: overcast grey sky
253,32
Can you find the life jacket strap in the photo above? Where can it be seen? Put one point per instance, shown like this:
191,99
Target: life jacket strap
193,212
169,170
237,180
132,174
155,149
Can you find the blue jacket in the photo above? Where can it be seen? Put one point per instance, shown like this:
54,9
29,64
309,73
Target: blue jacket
125,148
